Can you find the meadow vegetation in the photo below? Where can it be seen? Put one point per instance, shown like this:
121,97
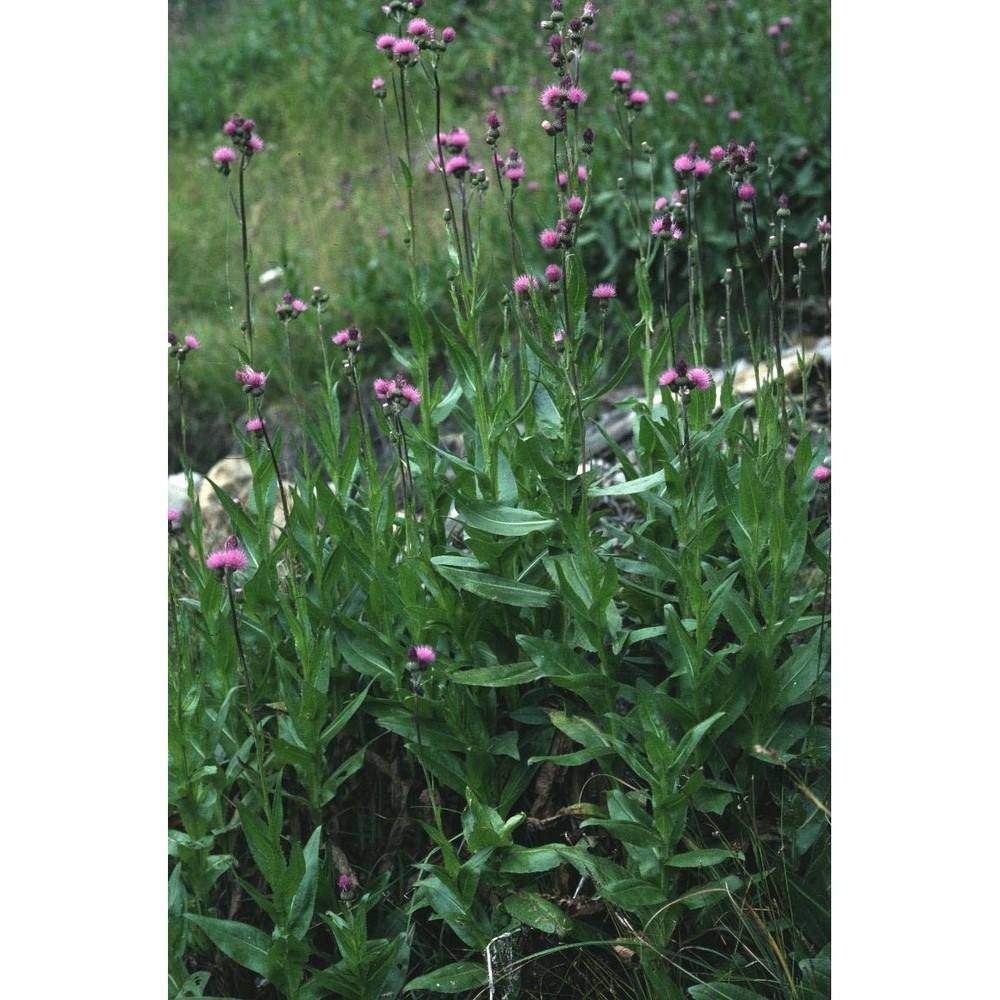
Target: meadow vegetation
456,706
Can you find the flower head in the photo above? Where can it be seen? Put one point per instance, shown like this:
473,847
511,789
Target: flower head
396,393
671,96
191,342
682,379
683,164
253,382
553,273
523,284
349,338
604,292
821,473
227,559
223,158
637,98
552,98
421,655
746,191
549,239
345,883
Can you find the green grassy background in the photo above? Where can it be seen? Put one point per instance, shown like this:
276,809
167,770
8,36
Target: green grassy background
322,200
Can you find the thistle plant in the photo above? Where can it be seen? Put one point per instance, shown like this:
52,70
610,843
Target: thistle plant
241,133
570,705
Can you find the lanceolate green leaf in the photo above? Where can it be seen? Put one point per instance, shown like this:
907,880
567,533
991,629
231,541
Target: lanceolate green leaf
455,978
245,945
698,859
640,485
535,911
500,520
301,910
494,588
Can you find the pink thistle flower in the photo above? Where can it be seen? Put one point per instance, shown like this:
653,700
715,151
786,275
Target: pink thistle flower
604,292
418,26
683,164
562,180
345,883
575,96
747,192
581,174
637,98
575,205
823,226
385,42
255,425
676,234
702,168
378,83
253,382
224,155
457,165
552,98
299,306
256,143
191,343
553,273
774,30
700,378
657,225
405,51
422,655
660,204
671,96
557,339
229,128
734,116
681,379
448,36
515,173
621,76
821,473
227,560
708,99
172,515
384,388
410,393
523,284
717,153
533,185
785,21
549,239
